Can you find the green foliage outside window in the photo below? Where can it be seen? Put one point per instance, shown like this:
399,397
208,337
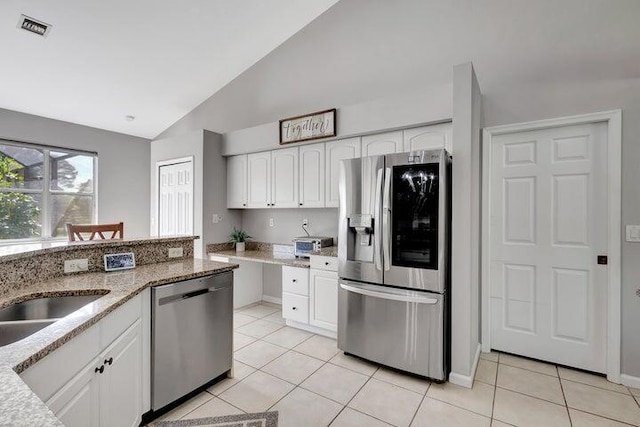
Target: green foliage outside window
19,212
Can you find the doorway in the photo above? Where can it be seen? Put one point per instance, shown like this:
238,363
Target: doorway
551,241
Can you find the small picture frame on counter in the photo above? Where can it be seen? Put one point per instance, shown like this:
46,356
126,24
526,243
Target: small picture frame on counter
116,262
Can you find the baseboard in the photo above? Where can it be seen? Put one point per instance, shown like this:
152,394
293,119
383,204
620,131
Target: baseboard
630,381
273,300
466,380
311,328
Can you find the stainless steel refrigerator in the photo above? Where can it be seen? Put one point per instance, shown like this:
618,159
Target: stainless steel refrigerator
394,257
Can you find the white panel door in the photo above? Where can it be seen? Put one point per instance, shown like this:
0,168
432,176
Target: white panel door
323,299
284,181
259,180
121,383
428,137
237,182
312,176
382,143
335,152
175,197
77,403
548,225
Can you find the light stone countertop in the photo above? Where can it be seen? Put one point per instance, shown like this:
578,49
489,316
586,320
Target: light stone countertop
21,407
268,257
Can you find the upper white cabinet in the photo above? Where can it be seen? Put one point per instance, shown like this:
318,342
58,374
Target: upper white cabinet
237,182
259,180
335,152
284,172
311,175
428,137
382,143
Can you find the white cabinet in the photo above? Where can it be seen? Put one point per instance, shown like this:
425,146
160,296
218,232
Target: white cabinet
259,180
96,379
121,382
428,137
77,403
237,182
284,172
382,143
335,152
311,175
295,291
323,299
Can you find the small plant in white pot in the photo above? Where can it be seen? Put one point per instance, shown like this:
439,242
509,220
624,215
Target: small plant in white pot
239,237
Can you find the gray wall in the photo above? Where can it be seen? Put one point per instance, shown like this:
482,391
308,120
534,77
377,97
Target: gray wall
540,101
123,164
209,177
288,223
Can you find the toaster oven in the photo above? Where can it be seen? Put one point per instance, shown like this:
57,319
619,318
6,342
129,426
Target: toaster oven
303,246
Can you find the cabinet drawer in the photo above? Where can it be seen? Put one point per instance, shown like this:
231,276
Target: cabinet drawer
115,323
295,307
295,280
328,263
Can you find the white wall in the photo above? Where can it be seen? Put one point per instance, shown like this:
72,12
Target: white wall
465,240
505,105
123,164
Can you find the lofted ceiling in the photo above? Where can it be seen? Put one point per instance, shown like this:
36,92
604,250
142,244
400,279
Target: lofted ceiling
155,60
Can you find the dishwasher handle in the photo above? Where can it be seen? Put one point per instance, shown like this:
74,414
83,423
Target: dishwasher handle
186,296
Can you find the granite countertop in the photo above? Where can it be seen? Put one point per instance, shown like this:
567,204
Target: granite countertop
331,251
18,405
24,250
268,257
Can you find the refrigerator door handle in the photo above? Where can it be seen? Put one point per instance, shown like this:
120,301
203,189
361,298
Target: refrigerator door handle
377,226
406,297
386,226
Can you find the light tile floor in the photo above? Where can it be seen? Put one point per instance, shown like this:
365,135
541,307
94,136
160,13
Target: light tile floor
311,383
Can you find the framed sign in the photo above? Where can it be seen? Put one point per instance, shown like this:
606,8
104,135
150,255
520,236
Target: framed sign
310,126
115,262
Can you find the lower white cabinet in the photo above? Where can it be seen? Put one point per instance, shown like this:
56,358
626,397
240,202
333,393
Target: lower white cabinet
310,296
323,299
97,378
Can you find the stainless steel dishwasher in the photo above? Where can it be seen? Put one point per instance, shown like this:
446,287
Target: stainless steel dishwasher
191,335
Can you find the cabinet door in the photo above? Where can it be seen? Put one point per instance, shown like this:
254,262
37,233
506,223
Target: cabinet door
237,182
284,183
77,403
335,152
312,176
428,137
382,143
259,180
323,299
121,383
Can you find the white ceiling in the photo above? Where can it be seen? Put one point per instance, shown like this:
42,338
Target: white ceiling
155,60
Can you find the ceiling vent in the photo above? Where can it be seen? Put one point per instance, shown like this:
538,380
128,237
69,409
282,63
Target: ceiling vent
34,26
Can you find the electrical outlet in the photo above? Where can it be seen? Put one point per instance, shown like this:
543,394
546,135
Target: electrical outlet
633,233
271,223
175,252
216,218
76,265
305,222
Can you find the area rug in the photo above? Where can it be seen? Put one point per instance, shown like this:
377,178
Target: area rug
261,419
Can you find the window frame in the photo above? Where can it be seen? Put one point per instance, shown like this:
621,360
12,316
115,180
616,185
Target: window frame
46,192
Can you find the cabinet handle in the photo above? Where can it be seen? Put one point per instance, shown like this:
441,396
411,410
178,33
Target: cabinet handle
108,361
294,280
100,369
295,308
244,204
326,263
300,204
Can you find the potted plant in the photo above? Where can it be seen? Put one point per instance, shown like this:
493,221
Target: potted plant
239,237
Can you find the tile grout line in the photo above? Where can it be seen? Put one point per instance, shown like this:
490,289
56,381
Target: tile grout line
424,396
603,417
564,397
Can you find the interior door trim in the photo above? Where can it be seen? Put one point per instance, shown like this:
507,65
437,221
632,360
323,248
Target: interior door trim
613,119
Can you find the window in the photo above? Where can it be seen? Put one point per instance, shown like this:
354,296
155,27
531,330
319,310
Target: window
42,189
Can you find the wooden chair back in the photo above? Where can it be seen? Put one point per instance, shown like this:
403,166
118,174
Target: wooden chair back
97,231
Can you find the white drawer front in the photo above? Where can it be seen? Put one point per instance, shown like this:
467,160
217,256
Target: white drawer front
295,307
295,280
328,263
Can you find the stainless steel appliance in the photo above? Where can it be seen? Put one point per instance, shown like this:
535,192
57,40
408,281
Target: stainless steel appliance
393,260
303,246
191,335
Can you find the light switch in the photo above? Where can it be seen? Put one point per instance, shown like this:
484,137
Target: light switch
633,233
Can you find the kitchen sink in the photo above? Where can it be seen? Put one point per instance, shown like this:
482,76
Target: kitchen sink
22,319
